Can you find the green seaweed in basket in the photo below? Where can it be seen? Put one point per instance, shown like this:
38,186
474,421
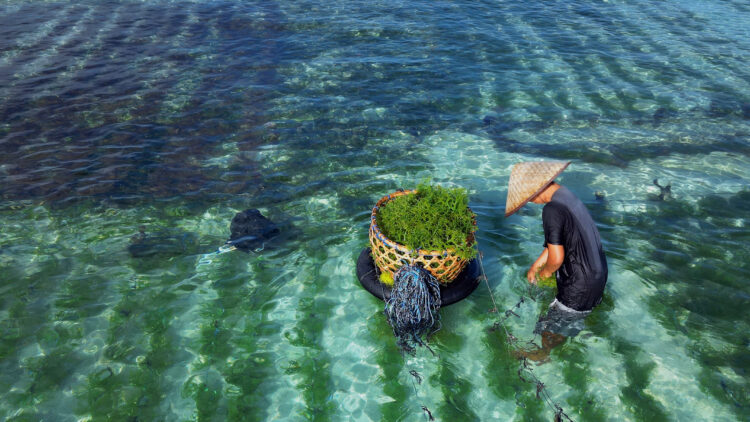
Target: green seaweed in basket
435,218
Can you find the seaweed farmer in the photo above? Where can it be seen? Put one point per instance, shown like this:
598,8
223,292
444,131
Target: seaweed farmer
572,250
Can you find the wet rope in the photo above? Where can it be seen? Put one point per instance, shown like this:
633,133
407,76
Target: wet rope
525,371
412,312
415,375
412,309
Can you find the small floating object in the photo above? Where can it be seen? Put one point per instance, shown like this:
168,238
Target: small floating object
385,278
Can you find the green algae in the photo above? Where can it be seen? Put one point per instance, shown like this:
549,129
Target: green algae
247,379
130,378
635,395
433,219
579,379
690,309
455,388
316,383
502,377
394,381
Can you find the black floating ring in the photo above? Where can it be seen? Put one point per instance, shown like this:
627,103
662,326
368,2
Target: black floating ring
465,283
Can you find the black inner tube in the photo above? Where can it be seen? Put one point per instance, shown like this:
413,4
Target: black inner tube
465,283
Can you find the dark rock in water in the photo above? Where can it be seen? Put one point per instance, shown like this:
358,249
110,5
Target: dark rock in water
250,229
488,120
499,126
745,110
660,114
721,108
161,243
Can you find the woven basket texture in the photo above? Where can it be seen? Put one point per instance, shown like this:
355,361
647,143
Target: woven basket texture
389,256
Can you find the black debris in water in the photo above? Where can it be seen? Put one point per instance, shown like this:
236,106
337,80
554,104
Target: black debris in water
412,309
745,110
665,191
428,413
416,376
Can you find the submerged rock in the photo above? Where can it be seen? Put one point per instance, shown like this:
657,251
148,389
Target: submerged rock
161,243
250,229
723,107
662,114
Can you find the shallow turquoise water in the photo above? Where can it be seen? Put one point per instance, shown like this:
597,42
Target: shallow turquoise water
170,117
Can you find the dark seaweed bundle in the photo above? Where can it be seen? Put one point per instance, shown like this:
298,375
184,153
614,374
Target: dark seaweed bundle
412,309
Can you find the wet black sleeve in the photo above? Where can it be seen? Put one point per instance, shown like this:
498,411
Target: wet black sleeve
553,220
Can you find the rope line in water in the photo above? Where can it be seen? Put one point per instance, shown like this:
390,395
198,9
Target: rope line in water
415,376
416,279
412,309
525,368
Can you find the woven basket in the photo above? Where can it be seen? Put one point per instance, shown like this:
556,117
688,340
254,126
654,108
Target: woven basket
389,256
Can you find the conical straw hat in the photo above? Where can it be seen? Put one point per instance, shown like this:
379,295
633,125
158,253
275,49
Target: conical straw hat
528,179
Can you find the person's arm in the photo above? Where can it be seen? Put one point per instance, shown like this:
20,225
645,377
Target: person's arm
538,264
555,257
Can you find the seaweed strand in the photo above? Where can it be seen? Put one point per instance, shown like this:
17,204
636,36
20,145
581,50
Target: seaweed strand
525,371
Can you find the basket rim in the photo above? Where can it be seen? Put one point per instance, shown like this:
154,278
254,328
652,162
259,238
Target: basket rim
402,248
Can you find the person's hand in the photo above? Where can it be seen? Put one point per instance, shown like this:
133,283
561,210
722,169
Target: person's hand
531,275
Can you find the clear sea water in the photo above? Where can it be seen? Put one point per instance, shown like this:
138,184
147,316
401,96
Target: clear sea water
156,121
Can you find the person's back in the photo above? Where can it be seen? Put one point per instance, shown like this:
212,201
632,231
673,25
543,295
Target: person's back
583,274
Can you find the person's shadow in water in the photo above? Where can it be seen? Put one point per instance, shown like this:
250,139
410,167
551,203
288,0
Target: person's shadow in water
541,354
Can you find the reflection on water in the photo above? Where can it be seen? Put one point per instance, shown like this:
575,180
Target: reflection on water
132,132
